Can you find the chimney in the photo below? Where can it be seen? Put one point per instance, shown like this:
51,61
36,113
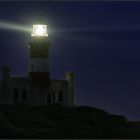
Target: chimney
6,74
70,80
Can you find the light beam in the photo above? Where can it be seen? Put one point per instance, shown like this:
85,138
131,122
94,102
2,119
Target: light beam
13,26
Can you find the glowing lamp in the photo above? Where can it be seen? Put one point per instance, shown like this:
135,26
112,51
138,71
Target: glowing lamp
39,30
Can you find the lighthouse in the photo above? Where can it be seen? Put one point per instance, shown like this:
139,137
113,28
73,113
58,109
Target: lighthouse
38,88
39,57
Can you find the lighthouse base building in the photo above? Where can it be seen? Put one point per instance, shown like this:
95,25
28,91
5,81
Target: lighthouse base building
37,88
19,90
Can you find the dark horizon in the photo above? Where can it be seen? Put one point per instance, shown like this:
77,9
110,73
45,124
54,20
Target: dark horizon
98,41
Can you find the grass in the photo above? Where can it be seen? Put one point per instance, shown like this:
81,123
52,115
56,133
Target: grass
57,121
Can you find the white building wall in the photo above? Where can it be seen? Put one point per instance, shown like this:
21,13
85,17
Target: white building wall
39,65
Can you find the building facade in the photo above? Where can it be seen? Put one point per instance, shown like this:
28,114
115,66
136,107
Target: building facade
38,88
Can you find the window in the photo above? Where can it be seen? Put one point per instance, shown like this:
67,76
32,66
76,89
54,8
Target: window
48,98
32,67
60,96
16,94
24,94
53,95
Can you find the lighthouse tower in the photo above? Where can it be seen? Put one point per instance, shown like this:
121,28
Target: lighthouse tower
39,57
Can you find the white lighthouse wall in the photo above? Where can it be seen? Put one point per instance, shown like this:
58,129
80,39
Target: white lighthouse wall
39,65
34,96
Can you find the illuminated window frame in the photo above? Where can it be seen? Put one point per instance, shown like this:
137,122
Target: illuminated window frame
39,26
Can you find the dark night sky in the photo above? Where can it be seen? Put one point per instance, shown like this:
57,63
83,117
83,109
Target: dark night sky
98,41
